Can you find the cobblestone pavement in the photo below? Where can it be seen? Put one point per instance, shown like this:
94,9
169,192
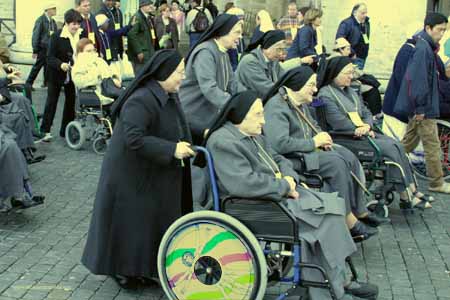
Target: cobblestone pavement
40,248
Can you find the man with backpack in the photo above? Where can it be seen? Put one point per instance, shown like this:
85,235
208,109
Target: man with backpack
419,99
197,21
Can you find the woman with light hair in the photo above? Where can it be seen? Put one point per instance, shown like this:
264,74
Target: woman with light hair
235,54
263,24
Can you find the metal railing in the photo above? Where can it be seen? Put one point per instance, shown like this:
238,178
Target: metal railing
8,28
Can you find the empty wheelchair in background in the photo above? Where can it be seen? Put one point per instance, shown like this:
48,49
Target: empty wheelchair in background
92,123
235,251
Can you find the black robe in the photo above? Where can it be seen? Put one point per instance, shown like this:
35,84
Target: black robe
143,189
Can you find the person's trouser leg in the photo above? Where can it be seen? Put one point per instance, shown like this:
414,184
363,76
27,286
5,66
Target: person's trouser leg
428,133
193,39
69,107
41,61
54,88
411,138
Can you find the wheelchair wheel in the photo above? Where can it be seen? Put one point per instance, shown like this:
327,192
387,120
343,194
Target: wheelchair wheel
75,135
100,145
379,209
211,255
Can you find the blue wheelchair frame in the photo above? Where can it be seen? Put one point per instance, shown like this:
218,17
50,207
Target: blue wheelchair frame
296,279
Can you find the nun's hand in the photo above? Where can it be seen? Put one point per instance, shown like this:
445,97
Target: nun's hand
294,195
183,150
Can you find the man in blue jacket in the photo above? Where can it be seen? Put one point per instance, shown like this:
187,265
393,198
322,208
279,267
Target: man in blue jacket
419,99
356,30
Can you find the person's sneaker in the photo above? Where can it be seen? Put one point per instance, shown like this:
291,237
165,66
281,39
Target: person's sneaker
362,290
5,205
444,188
47,137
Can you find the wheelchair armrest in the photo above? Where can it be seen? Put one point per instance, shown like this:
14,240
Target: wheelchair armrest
91,88
348,134
277,203
312,180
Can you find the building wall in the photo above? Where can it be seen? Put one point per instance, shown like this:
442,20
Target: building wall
391,23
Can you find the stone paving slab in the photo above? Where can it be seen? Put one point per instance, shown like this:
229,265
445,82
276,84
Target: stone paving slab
40,248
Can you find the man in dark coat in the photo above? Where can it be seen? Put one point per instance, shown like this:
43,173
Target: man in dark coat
398,73
145,180
60,55
89,26
356,30
419,99
142,39
44,27
115,17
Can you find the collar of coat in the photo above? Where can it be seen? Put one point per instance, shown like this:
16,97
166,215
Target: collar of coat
160,94
425,36
357,22
235,131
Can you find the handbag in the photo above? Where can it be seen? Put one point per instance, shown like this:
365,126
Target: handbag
109,89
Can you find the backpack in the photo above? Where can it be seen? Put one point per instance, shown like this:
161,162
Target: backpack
201,22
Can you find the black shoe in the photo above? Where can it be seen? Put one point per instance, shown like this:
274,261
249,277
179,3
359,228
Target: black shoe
27,203
148,282
127,283
360,232
36,159
374,220
362,290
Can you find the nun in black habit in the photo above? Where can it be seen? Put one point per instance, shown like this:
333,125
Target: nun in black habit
145,180
247,167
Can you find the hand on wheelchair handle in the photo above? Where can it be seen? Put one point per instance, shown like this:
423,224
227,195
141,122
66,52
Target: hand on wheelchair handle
183,150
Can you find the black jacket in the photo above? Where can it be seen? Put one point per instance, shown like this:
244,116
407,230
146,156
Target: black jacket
115,16
41,33
59,51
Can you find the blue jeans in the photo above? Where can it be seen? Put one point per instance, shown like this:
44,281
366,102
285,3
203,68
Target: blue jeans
193,38
360,62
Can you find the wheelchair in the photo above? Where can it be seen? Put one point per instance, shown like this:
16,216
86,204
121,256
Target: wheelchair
92,123
374,164
235,251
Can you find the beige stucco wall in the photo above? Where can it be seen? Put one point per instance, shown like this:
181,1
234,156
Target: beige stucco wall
391,23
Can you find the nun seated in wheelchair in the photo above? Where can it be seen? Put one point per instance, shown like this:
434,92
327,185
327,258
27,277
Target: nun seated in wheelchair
293,132
15,189
248,168
15,118
346,112
90,70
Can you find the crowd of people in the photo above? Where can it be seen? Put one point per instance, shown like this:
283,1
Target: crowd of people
251,105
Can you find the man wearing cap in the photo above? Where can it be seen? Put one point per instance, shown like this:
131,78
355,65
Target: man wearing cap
115,17
44,27
142,40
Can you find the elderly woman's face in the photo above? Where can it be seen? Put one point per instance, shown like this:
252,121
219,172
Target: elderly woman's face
344,79
306,94
231,40
276,51
172,84
254,121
